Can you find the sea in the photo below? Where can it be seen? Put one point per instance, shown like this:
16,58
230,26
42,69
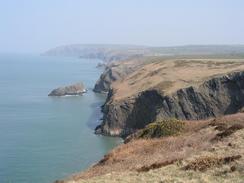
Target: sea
44,138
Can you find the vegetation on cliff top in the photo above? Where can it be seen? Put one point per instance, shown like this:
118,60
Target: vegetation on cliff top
166,127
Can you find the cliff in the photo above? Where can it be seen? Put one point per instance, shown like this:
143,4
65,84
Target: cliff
183,89
111,74
146,95
116,71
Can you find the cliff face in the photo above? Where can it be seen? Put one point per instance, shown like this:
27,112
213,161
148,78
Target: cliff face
116,71
217,96
110,75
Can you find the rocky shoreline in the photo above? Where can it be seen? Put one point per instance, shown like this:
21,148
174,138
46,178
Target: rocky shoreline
171,113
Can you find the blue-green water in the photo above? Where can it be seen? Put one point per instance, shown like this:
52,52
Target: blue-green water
46,138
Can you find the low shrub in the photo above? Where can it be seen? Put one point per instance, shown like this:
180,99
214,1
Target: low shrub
162,128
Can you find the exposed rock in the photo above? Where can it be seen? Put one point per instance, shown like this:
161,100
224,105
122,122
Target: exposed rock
110,75
217,96
114,72
75,89
104,82
101,65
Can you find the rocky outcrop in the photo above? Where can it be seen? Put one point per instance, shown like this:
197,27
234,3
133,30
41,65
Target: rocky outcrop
106,79
112,73
217,96
75,89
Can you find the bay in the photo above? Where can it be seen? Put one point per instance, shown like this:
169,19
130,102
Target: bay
47,138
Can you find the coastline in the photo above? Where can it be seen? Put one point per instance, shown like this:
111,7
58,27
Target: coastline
123,110
119,107
200,153
46,138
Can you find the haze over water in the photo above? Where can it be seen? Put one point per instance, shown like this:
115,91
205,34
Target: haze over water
47,138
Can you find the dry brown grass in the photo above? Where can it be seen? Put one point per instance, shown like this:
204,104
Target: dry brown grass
206,162
190,157
147,154
139,155
169,75
153,166
227,131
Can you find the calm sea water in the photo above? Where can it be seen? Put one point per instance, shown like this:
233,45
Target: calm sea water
46,138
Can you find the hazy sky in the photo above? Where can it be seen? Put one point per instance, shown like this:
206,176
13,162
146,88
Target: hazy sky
37,25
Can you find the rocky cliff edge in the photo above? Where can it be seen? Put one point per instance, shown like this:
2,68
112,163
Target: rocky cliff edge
182,89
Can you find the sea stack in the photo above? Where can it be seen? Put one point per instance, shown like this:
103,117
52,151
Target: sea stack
75,89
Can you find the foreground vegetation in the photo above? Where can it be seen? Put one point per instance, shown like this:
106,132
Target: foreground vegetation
157,129
203,151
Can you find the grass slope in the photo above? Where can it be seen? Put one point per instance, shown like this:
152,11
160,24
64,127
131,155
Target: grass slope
205,151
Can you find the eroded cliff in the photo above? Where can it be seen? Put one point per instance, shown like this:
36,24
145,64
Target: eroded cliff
116,71
183,89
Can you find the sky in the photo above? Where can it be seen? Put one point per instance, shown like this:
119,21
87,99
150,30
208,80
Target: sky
35,26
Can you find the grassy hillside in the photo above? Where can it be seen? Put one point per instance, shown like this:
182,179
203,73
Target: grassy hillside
206,151
171,74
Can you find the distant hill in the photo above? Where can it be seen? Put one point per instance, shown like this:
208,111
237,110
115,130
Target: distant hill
99,51
202,50
109,53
